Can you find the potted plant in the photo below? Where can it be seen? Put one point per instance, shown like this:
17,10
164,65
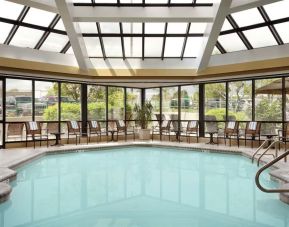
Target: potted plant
143,116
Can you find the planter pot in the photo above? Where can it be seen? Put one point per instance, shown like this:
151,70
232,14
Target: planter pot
144,134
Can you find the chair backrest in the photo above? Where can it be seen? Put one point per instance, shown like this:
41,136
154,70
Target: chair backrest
192,125
33,127
211,126
232,127
120,125
94,126
73,126
52,127
15,129
253,127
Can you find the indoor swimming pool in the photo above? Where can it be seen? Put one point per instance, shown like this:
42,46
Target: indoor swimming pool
142,187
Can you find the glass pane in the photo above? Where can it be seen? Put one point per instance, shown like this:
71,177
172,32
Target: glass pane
277,10
10,10
39,17
216,51
96,102
133,98
287,98
132,28
240,100
268,100
170,104
130,1
190,102
1,101
5,29
115,103
18,100
60,25
248,17
177,28
173,47
46,101
105,1
88,27
23,37
154,28
283,30
93,46
231,42
133,47
226,26
153,95
215,100
70,102
193,46
112,47
70,51
54,42
197,28
153,47
156,1
108,27
260,37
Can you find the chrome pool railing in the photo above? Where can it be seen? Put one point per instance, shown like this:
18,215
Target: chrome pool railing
259,148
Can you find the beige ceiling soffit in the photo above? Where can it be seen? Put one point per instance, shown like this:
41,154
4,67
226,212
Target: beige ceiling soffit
47,5
240,5
142,14
212,33
73,33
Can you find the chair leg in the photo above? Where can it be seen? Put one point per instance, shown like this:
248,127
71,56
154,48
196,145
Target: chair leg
26,141
68,138
245,140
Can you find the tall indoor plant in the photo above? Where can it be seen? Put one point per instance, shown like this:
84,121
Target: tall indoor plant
143,117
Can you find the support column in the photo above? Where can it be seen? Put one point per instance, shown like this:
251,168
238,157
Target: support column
84,107
202,110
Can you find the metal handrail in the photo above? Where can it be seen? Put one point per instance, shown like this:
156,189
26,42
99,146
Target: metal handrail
259,148
276,151
269,164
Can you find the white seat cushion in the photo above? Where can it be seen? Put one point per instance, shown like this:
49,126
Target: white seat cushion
121,123
231,124
94,124
33,125
252,125
74,125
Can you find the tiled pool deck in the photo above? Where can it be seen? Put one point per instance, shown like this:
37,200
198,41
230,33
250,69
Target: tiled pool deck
14,157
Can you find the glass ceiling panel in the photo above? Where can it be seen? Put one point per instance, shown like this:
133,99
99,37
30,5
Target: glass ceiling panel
173,47
248,17
260,37
88,27
70,51
108,27
132,28
23,37
60,25
39,17
216,51
193,46
283,30
154,28
153,47
54,42
182,1
112,46
82,1
10,10
277,10
133,46
156,1
231,42
198,28
93,46
226,26
130,1
177,28
105,1
5,29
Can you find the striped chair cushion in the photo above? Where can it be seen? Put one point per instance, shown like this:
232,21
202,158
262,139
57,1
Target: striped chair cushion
74,125
94,124
33,125
231,124
252,125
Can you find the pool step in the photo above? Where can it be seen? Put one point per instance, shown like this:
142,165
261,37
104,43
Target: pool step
284,197
5,190
7,174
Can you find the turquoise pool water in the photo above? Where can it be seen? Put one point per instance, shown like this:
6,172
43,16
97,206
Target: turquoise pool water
142,187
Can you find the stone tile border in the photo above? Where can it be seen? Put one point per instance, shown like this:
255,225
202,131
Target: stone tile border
279,173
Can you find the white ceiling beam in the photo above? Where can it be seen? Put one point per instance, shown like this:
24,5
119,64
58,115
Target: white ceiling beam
46,5
212,33
142,14
239,5
73,31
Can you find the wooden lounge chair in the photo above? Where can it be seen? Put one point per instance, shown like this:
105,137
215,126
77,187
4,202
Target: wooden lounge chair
283,135
163,127
73,129
14,131
94,128
231,130
191,129
34,130
252,130
121,127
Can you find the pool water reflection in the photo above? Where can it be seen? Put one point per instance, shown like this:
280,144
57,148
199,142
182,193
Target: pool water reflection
141,186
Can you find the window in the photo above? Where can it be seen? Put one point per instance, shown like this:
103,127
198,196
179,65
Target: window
115,103
215,100
153,47
23,37
190,102
70,101
173,47
231,42
193,46
54,42
170,104
153,95
93,46
260,37
5,29
133,98
112,46
240,100
46,101
133,46
39,17
18,100
96,102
